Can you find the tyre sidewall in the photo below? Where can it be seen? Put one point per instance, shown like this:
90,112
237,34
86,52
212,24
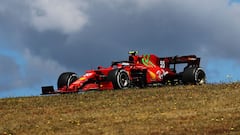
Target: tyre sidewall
66,78
114,76
197,72
191,75
118,77
72,78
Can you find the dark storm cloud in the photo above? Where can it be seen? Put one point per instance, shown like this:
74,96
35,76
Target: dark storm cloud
81,34
168,28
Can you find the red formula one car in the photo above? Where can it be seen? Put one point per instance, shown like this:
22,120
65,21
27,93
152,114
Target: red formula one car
137,71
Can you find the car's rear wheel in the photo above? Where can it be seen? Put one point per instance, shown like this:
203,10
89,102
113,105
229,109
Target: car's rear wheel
120,78
66,79
194,75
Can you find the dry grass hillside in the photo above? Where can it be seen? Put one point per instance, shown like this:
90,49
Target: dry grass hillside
208,109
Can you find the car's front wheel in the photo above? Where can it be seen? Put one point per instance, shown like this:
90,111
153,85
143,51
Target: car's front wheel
66,79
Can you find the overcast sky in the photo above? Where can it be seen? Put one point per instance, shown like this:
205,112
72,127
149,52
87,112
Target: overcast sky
39,39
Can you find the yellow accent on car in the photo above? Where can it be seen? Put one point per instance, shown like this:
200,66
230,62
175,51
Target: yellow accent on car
82,78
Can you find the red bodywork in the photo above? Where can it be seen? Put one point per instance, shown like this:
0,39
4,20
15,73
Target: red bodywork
141,70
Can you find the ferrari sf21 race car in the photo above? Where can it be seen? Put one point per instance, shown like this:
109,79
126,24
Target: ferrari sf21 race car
138,71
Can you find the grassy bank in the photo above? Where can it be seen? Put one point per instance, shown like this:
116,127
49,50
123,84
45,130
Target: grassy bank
208,109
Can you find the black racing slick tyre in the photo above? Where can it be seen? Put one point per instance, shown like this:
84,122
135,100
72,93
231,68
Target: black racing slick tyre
66,78
194,75
120,78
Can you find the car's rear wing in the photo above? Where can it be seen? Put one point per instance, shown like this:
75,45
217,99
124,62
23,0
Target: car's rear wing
190,60
164,62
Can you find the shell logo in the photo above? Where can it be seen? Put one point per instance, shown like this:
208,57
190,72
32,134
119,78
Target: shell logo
82,78
152,75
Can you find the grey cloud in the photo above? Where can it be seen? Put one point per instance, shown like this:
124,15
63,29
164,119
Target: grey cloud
10,73
166,29
66,16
